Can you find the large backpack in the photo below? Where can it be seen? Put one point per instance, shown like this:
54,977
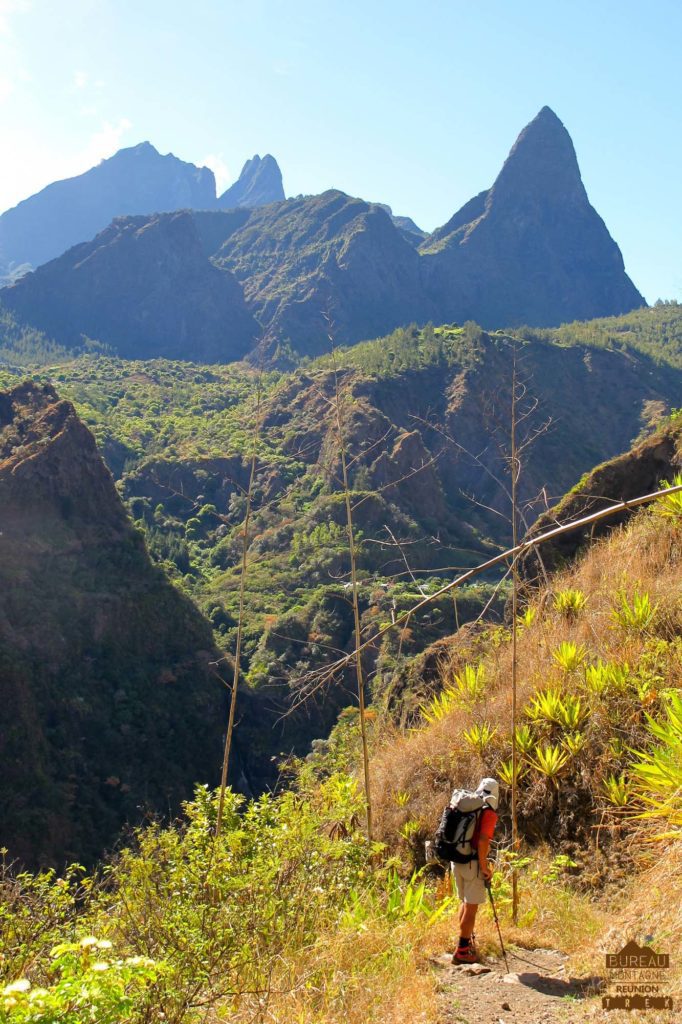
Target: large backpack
452,841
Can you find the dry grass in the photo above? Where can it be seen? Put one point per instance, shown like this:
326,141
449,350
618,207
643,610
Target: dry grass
377,973
414,772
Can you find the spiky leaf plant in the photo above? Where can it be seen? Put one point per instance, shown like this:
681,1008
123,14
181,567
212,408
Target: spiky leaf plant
469,684
569,656
545,706
616,790
570,602
549,760
479,737
657,773
636,615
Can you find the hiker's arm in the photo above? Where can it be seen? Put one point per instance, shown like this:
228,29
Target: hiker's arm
483,849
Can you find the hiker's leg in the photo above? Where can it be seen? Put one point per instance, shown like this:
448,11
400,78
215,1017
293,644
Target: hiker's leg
467,920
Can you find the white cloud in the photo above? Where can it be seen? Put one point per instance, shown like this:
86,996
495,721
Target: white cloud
7,9
223,175
80,79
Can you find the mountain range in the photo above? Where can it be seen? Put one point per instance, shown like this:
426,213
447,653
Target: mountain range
136,180
287,276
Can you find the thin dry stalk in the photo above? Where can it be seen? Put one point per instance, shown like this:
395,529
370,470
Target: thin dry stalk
242,590
354,585
515,472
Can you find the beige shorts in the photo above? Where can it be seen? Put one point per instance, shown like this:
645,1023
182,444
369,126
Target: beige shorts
469,881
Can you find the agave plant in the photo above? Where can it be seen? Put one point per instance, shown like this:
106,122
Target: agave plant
569,656
670,505
597,678
505,771
525,739
546,704
549,760
527,617
569,602
470,683
616,790
479,737
657,773
572,712
574,742
439,706
635,616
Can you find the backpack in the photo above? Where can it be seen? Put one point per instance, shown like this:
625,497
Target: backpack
452,841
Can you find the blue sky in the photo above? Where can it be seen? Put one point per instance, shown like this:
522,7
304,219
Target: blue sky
411,103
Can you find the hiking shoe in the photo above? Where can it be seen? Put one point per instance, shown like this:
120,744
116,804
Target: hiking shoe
465,955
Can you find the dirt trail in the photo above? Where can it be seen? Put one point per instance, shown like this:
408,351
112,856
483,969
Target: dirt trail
539,990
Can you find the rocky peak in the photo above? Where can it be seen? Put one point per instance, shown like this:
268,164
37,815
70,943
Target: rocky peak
259,183
542,164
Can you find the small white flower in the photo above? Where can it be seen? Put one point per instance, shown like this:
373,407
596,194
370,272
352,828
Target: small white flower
101,965
89,940
22,985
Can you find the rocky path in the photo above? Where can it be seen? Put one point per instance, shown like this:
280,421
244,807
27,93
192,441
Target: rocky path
538,990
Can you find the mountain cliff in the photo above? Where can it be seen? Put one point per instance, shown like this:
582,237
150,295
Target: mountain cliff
259,183
144,288
110,708
531,249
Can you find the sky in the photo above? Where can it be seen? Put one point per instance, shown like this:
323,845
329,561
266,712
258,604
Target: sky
415,104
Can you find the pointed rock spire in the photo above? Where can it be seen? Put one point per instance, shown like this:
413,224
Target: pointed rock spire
259,183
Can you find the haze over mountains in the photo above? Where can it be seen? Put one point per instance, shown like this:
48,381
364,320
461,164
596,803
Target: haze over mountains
530,250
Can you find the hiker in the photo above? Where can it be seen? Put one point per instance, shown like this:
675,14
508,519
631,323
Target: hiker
471,877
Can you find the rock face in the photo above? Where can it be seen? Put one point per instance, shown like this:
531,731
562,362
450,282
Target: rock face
143,287
109,706
135,180
531,249
259,183
329,256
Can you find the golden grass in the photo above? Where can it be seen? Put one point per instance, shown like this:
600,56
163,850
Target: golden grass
424,763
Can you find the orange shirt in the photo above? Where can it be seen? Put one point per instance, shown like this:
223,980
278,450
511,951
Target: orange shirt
485,826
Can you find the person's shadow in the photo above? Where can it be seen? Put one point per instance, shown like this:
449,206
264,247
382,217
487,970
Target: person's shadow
578,988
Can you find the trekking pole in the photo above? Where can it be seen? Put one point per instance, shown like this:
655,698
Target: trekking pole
489,887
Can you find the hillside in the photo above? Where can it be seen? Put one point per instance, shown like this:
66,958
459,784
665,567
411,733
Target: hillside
136,180
599,734
426,418
141,288
110,708
531,250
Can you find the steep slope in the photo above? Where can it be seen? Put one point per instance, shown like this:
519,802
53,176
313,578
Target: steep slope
259,183
638,471
133,181
532,249
324,256
143,287
109,707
